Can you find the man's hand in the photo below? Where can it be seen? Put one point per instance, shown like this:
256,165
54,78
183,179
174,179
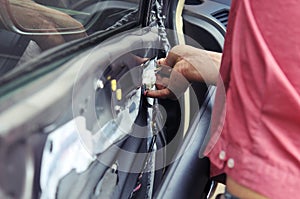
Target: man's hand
185,64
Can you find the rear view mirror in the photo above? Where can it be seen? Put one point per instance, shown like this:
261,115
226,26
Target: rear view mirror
32,18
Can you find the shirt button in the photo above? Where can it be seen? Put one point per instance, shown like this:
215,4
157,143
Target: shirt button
222,155
230,163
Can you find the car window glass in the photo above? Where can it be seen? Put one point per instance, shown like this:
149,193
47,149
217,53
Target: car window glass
86,12
44,24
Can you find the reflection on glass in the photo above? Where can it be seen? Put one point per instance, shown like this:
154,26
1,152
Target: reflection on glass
65,15
43,24
31,16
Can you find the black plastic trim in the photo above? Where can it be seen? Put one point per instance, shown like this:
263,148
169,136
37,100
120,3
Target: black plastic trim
189,175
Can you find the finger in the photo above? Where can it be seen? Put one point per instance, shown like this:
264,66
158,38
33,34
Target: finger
163,70
177,84
172,58
164,93
160,87
162,61
162,81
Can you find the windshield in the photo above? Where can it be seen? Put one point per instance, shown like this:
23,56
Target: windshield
30,28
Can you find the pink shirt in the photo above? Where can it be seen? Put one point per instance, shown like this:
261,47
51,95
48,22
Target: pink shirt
256,134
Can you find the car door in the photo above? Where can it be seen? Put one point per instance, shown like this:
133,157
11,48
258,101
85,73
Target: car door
75,121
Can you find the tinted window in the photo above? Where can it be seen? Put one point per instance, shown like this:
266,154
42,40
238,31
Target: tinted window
44,24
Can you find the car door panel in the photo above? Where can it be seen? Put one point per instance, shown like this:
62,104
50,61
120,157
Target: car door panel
73,94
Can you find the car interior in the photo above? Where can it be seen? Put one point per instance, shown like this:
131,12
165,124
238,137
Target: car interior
74,120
